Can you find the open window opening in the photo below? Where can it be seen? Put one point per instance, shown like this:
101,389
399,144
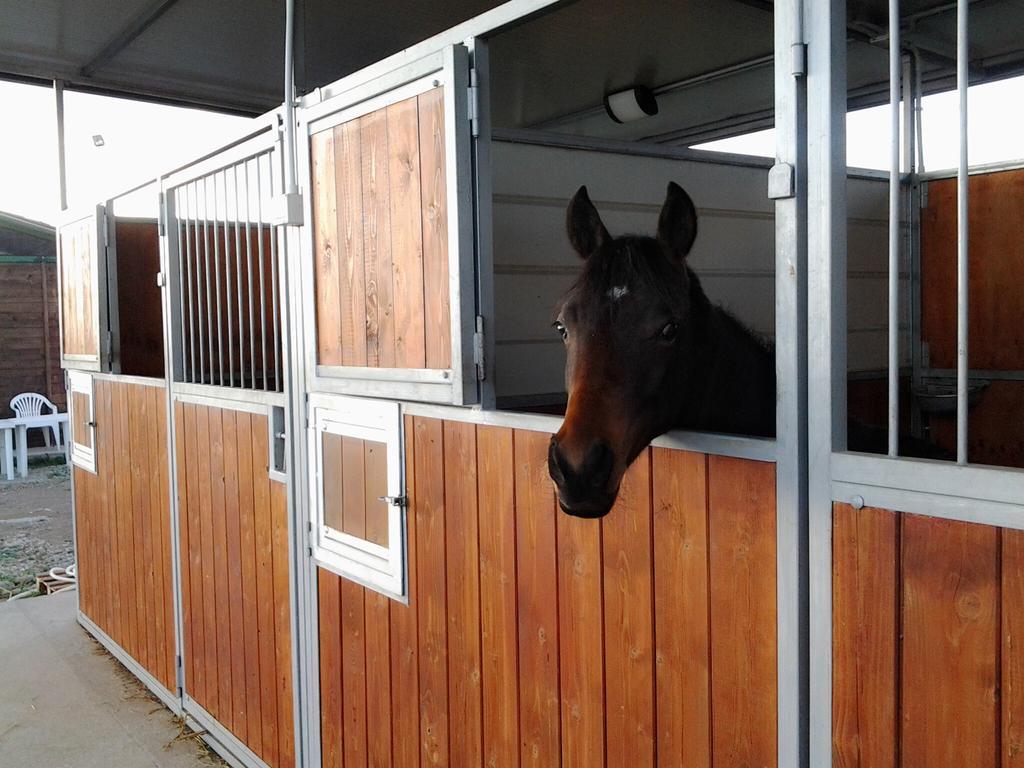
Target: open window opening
132,236
902,358
612,97
358,491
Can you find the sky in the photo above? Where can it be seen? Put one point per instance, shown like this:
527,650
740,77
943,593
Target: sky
143,139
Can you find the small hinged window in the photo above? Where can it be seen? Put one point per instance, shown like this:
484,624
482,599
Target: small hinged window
357,490
82,417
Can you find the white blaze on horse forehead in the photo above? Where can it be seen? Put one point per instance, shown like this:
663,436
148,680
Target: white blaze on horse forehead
617,292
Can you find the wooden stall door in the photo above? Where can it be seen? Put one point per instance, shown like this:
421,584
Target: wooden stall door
123,527
82,257
393,268
234,551
532,638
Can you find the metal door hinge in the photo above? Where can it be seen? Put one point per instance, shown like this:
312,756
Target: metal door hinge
108,344
395,501
781,181
474,104
161,279
180,672
478,349
799,63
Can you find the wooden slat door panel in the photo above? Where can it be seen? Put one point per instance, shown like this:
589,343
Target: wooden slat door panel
534,638
392,269
83,301
236,606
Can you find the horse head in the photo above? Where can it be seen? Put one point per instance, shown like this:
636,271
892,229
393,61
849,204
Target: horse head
629,324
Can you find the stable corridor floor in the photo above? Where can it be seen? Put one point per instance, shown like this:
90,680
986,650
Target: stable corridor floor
66,703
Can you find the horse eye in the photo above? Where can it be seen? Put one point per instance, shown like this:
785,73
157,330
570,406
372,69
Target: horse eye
669,332
560,327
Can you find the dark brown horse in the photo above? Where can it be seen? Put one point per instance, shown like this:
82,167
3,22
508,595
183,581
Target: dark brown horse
646,352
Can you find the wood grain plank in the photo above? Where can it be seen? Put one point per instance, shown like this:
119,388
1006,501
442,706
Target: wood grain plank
865,615
743,617
380,328
353,505
349,197
265,596
629,620
375,473
233,584
536,542
679,502
222,609
406,233
1011,599
333,480
950,643
154,506
208,562
582,642
463,565
498,612
331,734
192,519
428,508
282,622
434,222
143,546
249,594
378,675
108,498
353,673
325,250
125,507
405,730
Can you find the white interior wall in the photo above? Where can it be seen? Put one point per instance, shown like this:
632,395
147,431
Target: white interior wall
734,253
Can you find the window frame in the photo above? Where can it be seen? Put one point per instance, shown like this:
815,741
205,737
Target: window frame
383,569
82,455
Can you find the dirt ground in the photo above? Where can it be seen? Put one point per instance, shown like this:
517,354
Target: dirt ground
35,526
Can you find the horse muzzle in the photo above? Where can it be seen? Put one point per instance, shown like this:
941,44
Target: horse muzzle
583,491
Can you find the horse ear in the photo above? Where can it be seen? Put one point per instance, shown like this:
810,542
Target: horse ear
586,231
677,224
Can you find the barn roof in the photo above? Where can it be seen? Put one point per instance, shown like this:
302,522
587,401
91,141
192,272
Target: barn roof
228,54
25,239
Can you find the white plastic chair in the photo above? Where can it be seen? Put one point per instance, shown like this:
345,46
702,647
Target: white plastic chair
32,404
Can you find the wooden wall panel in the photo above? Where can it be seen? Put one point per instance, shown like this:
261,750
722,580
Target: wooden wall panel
235,554
535,638
122,520
78,270
381,238
926,639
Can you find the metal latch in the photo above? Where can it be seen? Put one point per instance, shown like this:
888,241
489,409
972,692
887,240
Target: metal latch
781,181
395,501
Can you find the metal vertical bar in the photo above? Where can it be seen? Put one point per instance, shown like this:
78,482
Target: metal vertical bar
181,225
217,283
962,250
227,279
238,280
895,72
263,291
248,263
197,370
206,304
275,320
62,177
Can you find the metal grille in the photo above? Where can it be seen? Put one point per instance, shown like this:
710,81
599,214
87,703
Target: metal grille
227,262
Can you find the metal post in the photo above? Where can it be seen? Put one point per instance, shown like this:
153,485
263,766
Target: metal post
894,226
62,180
290,185
961,235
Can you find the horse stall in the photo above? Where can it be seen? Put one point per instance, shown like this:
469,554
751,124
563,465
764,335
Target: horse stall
312,494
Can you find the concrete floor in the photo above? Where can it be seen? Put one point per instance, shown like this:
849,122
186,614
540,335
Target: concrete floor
66,703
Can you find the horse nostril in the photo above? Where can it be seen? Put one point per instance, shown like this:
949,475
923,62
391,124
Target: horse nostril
556,462
598,464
